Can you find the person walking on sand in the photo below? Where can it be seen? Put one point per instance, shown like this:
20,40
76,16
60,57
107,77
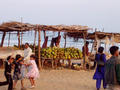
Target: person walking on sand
33,72
112,70
7,73
100,59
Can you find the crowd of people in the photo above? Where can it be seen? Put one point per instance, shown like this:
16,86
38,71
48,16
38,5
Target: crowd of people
23,68
107,71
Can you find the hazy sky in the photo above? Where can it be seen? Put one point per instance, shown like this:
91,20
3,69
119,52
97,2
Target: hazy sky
94,13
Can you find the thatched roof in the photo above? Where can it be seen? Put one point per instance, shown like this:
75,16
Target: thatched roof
18,26
102,35
15,26
64,28
92,36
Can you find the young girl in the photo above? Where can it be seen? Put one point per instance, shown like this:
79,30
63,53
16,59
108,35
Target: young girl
17,71
33,71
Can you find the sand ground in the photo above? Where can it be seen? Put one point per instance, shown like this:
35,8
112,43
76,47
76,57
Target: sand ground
59,80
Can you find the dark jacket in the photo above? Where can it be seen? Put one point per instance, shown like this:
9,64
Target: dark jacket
112,71
8,68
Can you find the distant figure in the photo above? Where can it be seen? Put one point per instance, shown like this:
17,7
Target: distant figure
100,59
7,73
33,72
112,70
56,41
45,42
85,51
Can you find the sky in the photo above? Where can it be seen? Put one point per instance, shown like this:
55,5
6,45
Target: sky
101,14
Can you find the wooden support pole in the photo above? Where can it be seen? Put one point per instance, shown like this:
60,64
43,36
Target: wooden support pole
3,37
96,41
18,39
84,59
35,40
44,34
39,49
65,41
21,38
21,32
9,40
58,33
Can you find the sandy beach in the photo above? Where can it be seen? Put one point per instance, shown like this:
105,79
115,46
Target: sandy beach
59,80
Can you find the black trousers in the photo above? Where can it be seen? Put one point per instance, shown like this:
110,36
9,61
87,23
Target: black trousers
9,82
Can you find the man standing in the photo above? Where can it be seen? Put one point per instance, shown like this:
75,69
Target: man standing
85,51
7,73
27,53
112,70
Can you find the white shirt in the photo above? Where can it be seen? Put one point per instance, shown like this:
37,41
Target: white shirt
27,53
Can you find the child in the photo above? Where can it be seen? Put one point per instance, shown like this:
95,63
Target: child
17,71
100,70
8,69
33,71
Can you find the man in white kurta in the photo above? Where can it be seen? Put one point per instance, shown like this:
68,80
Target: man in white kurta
27,53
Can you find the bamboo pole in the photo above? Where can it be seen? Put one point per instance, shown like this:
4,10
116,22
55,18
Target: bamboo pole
3,37
58,33
9,40
44,34
84,59
35,40
65,42
21,32
39,42
96,39
19,39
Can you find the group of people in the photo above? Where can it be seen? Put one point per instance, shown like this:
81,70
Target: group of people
107,71
23,68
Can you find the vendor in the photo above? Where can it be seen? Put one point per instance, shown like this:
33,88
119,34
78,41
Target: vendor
85,51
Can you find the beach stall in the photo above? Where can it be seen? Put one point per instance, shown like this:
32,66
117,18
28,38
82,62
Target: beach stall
19,28
97,39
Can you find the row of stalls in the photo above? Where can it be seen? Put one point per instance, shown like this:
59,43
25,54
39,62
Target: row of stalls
97,39
19,28
77,32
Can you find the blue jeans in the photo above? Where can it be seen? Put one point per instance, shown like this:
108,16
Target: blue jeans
98,83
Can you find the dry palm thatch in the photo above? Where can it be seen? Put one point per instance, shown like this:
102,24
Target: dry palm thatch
64,28
15,26
92,36
18,26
